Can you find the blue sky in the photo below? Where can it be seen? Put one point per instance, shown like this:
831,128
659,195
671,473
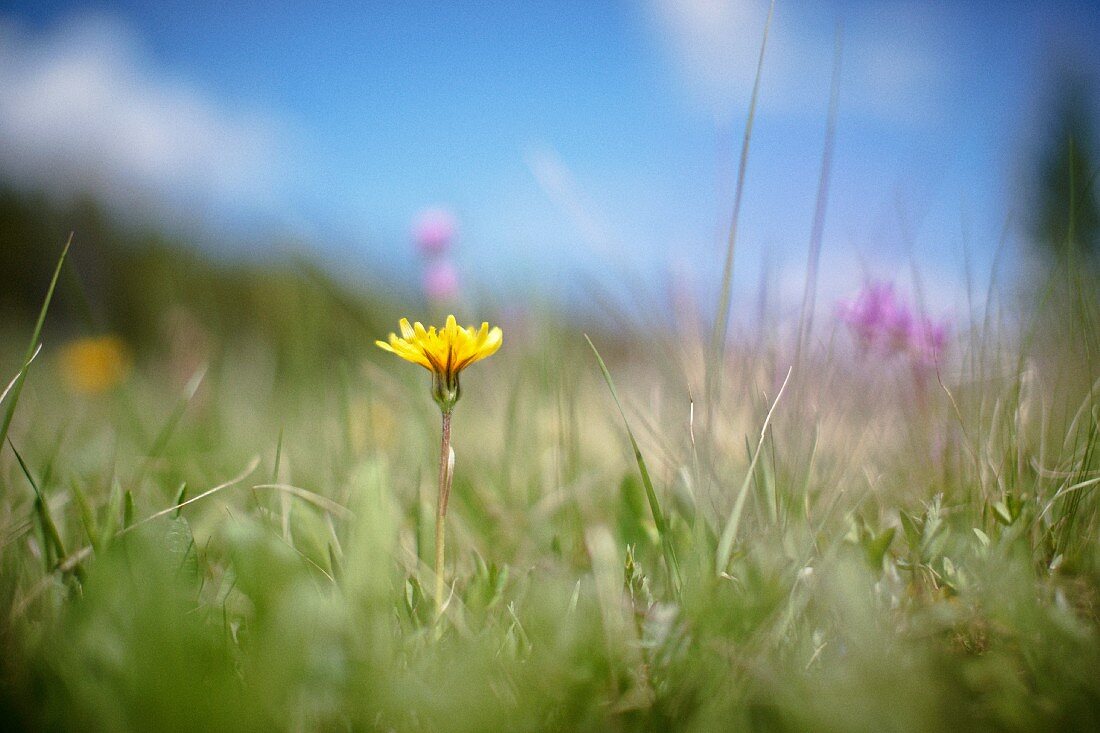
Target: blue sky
572,140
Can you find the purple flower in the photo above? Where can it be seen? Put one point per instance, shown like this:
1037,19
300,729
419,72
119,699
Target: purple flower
884,324
878,320
433,231
440,280
928,341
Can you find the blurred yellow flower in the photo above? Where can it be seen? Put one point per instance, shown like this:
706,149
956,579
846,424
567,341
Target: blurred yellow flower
444,353
94,365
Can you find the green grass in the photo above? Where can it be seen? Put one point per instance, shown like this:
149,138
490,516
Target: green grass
244,542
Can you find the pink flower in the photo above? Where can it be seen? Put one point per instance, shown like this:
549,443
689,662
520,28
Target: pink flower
433,231
928,341
884,324
440,280
877,319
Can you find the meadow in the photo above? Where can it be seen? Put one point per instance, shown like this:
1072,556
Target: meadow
223,520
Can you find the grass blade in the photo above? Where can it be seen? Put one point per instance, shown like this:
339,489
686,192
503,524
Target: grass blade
654,504
42,507
87,516
321,502
175,508
721,317
170,424
19,375
278,457
32,348
70,562
180,496
817,230
729,533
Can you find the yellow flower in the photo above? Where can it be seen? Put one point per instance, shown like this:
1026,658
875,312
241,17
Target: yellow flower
95,365
444,353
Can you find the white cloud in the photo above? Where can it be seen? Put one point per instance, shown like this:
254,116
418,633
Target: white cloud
715,44
81,110
894,66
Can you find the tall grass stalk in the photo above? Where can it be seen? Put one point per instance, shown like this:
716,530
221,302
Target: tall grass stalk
817,230
446,479
716,359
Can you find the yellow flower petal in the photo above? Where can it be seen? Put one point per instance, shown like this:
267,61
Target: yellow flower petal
444,351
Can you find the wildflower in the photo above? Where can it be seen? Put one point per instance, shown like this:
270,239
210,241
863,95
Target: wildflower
884,324
445,353
95,365
878,319
440,281
433,231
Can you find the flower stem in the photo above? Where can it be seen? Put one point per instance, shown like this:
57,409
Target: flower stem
445,477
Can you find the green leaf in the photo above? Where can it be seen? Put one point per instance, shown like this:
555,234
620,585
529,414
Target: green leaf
632,511
913,529
1002,513
175,536
876,547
